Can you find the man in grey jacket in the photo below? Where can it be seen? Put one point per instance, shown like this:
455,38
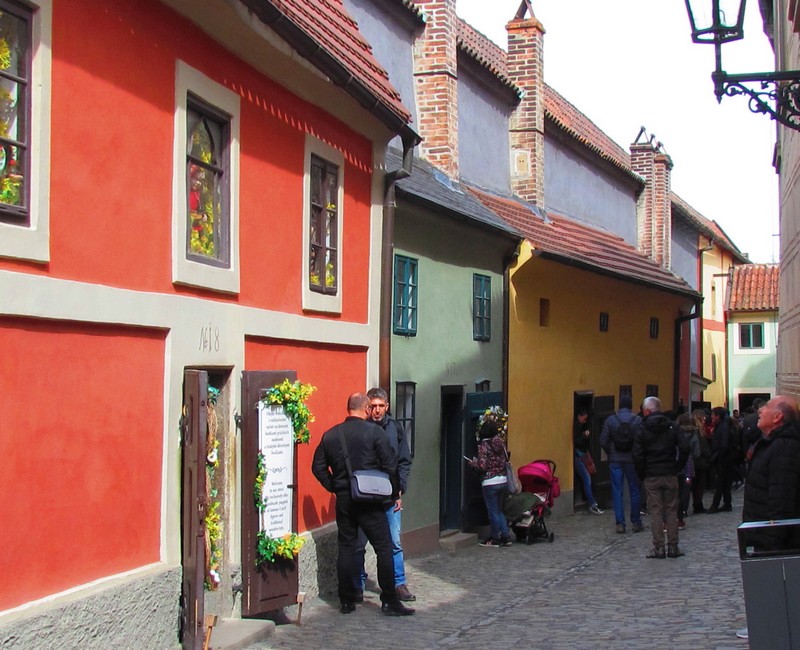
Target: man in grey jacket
616,439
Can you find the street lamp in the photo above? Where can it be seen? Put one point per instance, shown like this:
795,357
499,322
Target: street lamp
776,93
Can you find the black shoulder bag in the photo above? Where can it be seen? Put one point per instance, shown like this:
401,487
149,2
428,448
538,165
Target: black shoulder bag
366,485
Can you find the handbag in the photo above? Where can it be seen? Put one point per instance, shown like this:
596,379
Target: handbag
512,480
588,461
367,485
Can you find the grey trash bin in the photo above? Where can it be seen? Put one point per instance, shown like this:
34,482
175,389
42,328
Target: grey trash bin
771,583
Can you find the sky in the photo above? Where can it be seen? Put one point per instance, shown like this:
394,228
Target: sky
628,64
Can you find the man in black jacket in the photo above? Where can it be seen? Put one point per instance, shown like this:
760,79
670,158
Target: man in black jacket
660,451
722,460
772,491
368,448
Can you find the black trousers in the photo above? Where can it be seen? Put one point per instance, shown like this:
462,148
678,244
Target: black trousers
371,518
723,486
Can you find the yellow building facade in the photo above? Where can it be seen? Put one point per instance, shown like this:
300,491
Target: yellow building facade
558,353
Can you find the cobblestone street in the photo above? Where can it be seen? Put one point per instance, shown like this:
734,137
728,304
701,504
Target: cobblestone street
591,588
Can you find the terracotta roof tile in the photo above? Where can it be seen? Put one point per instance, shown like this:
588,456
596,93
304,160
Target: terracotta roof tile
332,28
581,245
485,52
580,127
754,287
710,229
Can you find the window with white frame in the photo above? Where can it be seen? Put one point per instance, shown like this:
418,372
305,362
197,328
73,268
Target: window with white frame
205,202
25,72
323,196
751,336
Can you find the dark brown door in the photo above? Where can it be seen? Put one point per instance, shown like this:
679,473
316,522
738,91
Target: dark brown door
275,584
193,505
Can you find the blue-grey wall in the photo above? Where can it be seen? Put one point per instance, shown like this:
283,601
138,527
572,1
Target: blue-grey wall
684,252
483,144
392,37
577,188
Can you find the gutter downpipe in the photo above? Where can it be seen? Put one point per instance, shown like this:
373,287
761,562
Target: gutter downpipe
677,355
410,140
508,260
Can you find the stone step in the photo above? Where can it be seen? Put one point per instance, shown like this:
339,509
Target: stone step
238,633
457,540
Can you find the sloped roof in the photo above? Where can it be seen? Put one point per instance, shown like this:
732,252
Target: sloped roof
582,129
707,227
431,187
485,52
323,32
754,287
579,244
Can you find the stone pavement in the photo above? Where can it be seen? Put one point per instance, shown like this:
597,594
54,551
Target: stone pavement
591,588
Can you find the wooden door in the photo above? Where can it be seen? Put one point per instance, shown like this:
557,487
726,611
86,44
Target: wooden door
194,423
275,584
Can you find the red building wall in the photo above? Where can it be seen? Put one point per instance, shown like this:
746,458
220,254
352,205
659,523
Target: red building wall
337,372
113,96
82,450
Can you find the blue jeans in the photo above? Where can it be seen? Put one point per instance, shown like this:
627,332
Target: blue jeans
580,470
621,472
493,496
395,522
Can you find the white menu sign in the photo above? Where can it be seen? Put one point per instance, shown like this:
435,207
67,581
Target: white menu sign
276,443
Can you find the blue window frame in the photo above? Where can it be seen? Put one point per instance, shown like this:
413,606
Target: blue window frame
405,295
481,307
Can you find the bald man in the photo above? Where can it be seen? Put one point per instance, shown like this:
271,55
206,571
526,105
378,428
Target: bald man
772,490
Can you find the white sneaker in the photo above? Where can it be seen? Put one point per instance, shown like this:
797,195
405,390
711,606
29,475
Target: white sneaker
595,510
742,634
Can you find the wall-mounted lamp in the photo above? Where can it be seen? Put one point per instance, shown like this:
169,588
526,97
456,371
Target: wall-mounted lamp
777,93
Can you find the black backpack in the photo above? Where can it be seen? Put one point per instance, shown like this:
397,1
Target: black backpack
622,436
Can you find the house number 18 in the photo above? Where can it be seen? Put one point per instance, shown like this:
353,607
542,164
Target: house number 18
209,338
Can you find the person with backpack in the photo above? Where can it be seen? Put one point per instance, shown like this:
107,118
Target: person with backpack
616,439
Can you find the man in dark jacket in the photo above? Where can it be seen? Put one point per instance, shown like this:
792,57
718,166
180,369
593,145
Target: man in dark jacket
379,404
368,448
616,439
721,459
660,450
772,491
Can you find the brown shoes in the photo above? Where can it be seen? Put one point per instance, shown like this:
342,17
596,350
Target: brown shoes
404,594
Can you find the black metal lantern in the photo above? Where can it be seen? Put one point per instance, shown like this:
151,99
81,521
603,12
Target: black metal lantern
725,22
775,93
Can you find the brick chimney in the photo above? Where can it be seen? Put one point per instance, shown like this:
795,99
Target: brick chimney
654,210
526,131
436,85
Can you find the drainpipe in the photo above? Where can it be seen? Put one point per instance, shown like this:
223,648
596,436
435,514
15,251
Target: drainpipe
677,354
508,260
410,140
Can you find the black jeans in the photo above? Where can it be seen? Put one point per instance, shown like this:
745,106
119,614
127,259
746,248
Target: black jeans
723,487
371,518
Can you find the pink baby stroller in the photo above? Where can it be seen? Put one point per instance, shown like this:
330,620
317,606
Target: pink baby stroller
538,478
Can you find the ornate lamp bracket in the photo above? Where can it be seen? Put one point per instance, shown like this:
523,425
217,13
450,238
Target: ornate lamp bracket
775,93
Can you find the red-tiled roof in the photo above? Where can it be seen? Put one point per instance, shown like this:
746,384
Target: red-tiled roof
580,127
754,287
334,34
710,229
581,245
485,52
